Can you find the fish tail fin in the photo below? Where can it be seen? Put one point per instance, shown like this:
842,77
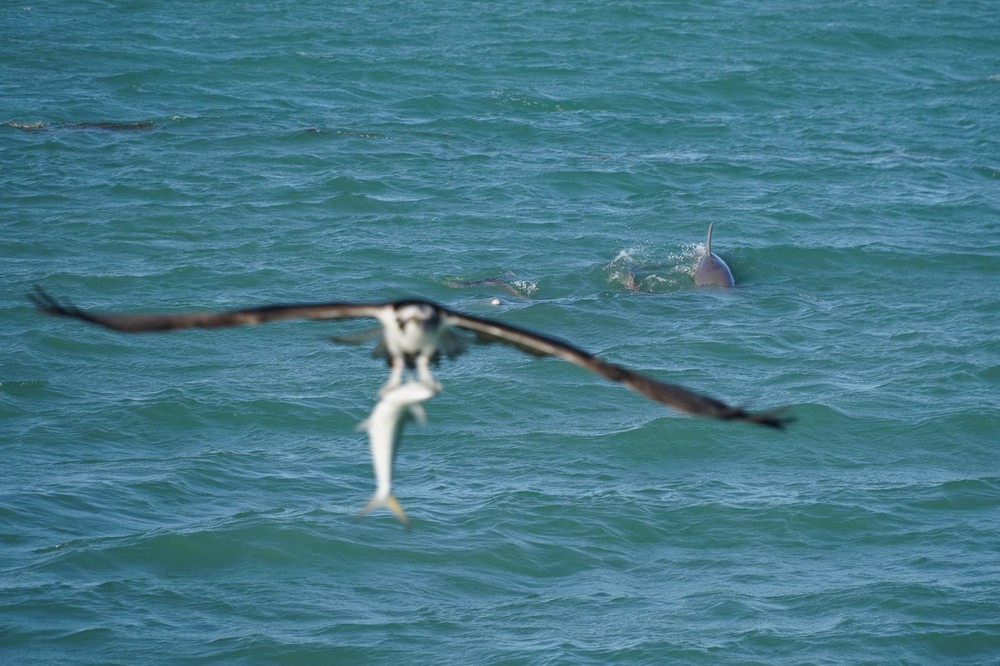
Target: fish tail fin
390,502
397,510
418,413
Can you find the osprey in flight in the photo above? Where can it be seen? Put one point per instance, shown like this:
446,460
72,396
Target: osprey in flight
416,334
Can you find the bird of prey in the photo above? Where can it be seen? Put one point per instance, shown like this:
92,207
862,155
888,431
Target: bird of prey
416,333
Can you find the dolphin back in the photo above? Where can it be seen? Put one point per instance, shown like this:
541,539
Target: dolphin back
711,269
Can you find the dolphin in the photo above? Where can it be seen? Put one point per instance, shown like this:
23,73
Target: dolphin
384,427
499,281
711,268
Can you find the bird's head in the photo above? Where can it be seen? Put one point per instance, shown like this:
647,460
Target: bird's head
422,314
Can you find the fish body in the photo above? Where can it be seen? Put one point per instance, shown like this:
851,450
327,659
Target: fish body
384,427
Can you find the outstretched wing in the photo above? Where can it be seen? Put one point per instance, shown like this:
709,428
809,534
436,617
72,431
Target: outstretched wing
142,323
486,330
672,395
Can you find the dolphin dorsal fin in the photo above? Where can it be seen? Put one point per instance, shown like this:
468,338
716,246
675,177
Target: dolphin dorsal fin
708,240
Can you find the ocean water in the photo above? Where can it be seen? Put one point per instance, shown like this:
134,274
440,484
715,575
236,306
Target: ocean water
189,498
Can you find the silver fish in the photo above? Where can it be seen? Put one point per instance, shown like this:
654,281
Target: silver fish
384,427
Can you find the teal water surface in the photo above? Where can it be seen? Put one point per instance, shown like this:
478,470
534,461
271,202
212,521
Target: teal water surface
189,497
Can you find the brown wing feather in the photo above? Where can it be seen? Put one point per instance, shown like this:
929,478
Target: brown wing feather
142,323
672,395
